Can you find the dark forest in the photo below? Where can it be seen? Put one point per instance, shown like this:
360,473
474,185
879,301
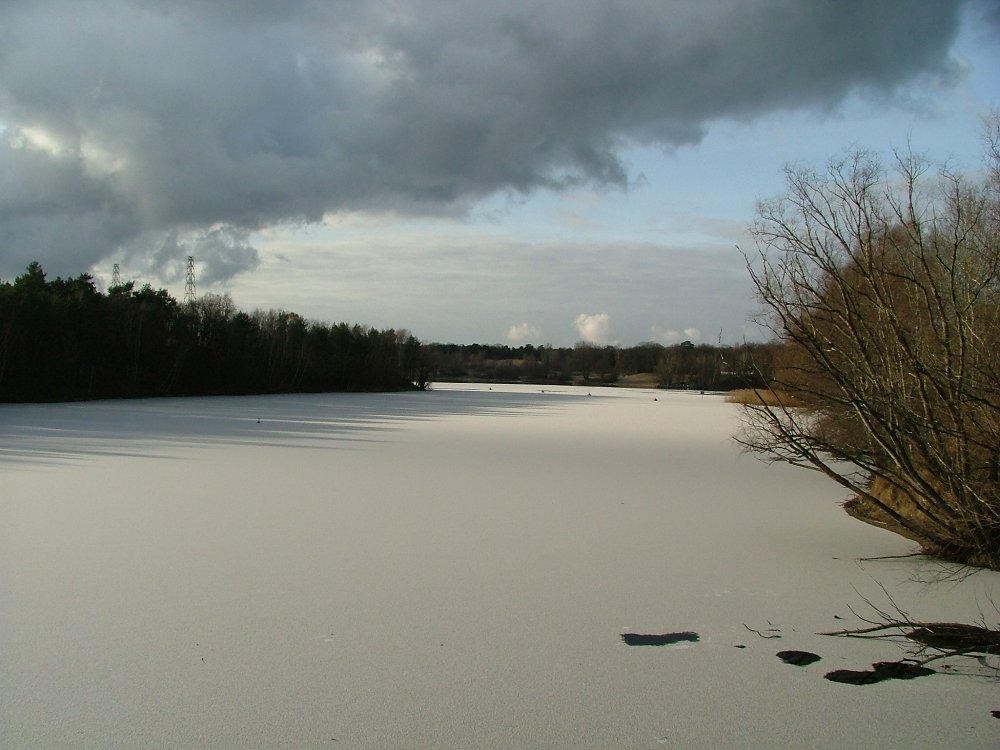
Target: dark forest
64,340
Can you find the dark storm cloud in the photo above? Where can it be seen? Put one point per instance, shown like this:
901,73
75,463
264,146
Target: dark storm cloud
147,128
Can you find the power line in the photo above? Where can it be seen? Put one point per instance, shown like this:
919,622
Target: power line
189,287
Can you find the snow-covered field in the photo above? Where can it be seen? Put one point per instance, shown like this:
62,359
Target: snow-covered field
449,569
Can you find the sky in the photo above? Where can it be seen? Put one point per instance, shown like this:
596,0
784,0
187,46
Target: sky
544,172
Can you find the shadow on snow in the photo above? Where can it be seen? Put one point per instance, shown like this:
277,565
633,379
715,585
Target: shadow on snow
53,433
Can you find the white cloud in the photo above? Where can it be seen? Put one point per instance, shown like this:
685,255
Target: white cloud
522,333
39,139
665,335
594,329
669,336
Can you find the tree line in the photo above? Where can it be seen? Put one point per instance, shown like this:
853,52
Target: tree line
683,365
64,340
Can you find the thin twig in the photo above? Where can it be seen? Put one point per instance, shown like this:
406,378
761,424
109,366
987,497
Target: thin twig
762,635
892,557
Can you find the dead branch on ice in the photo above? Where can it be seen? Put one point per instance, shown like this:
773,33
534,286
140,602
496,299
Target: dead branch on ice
946,639
940,640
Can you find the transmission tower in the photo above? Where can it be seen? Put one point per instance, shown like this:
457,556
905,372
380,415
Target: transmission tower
116,276
189,291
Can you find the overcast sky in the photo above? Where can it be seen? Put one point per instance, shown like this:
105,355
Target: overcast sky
540,172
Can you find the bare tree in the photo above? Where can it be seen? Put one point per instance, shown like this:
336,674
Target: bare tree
885,289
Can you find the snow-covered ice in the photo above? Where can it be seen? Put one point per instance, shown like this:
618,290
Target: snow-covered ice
448,569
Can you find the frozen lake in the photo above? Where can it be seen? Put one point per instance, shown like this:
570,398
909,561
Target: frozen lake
448,569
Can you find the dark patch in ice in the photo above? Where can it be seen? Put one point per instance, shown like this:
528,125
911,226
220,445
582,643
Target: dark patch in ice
660,639
880,671
798,658
995,714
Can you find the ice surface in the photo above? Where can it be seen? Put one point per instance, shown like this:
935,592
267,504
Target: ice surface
449,569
